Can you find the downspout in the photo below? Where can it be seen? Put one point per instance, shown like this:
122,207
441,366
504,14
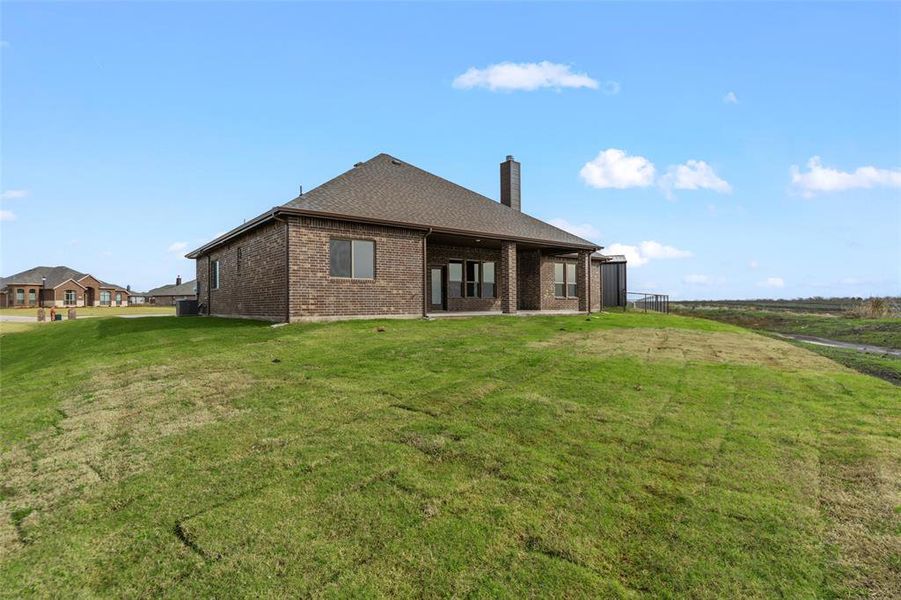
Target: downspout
589,283
425,274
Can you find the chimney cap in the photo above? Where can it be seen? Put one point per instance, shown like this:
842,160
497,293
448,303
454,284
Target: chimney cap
509,157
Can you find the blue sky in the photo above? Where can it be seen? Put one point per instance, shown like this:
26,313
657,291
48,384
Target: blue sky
134,132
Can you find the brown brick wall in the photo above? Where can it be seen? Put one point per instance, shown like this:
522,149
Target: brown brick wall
439,255
396,288
596,290
546,294
258,288
507,278
528,280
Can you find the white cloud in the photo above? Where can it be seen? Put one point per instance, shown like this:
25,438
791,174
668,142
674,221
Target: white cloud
696,279
730,98
13,194
177,247
583,230
7,215
826,179
646,251
508,76
613,168
692,175
753,264
772,282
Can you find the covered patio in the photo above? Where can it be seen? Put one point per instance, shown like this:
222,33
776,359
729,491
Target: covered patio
467,275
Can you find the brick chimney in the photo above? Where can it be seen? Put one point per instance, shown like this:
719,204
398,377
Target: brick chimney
510,194
178,280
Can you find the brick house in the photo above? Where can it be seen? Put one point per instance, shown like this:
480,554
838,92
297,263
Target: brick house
168,295
59,286
389,239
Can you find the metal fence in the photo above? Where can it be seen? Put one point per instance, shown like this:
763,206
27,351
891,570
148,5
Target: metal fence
647,302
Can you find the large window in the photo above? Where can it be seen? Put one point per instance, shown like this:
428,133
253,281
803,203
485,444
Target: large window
565,280
352,258
105,298
20,296
455,279
214,274
32,297
118,299
70,297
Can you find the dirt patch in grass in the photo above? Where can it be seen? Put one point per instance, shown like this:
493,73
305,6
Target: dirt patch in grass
683,345
106,433
861,499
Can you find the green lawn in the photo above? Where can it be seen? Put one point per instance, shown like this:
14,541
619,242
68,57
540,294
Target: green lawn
96,311
630,455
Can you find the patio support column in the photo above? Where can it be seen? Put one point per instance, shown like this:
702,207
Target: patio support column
583,280
507,277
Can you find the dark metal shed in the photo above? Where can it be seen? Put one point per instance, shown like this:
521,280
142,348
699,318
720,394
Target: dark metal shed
613,279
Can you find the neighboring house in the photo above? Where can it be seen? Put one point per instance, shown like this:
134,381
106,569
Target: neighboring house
389,239
168,295
59,286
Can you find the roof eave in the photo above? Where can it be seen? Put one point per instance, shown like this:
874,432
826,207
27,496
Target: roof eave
292,210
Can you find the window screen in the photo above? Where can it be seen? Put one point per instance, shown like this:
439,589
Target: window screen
472,279
559,281
455,279
571,280
339,256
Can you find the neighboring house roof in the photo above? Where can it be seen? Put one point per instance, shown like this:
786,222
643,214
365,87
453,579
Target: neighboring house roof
615,258
188,288
388,191
54,275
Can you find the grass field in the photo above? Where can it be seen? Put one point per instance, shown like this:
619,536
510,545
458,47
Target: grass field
624,455
839,326
96,311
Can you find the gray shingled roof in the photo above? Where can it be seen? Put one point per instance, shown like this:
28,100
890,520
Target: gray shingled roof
387,189
188,288
54,275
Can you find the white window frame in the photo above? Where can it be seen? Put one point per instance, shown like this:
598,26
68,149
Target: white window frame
214,274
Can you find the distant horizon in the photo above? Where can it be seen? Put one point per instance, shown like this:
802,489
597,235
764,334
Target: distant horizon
730,151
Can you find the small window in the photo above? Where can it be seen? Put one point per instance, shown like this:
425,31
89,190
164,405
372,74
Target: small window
70,297
488,280
472,279
455,279
571,280
559,280
352,258
20,296
214,274
32,297
238,260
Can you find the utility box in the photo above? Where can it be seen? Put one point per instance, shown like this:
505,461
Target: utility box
72,314
185,308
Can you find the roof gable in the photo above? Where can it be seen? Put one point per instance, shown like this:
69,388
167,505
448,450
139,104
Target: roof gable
388,190
55,276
